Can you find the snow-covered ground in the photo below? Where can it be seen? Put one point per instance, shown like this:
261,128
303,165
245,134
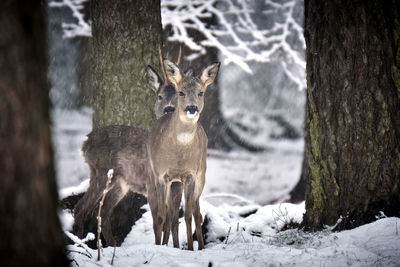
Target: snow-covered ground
243,228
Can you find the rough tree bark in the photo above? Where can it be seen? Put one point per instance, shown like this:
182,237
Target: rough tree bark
126,35
29,227
352,112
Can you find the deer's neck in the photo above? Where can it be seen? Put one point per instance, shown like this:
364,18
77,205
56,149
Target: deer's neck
183,131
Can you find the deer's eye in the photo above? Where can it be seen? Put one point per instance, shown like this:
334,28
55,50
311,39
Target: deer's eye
201,93
181,93
159,97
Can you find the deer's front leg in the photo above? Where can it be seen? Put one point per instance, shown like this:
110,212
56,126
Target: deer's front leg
170,206
176,195
153,203
189,201
161,210
198,219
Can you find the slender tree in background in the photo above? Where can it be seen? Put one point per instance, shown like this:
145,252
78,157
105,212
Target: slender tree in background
126,36
352,112
29,227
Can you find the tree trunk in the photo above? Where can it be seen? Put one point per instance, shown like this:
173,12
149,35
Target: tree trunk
126,35
29,227
352,112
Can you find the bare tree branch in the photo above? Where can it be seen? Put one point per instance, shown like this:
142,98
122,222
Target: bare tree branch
239,37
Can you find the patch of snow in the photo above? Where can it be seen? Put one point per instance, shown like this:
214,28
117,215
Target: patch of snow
69,131
74,190
255,241
243,229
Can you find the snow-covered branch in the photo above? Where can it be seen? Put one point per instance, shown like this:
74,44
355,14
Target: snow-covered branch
241,35
81,27
245,30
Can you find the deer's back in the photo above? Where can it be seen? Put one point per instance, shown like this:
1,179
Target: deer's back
122,148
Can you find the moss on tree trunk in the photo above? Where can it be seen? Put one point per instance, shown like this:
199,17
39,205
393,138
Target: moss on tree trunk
352,112
126,35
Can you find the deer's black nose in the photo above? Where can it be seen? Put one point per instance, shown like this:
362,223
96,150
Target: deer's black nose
191,109
169,109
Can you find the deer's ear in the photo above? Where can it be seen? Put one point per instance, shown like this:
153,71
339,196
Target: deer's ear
209,74
153,79
173,72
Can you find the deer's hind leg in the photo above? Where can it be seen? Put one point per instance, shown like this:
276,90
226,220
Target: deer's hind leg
113,197
87,204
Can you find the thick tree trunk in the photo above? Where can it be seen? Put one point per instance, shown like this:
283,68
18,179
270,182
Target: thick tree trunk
352,112
126,35
29,227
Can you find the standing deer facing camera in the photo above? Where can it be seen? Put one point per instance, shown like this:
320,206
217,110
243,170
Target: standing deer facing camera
176,148
122,148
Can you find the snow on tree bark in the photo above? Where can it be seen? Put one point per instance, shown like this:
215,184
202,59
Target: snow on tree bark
352,112
29,226
126,35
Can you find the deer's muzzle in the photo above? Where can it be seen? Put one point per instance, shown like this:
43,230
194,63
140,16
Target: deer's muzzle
169,109
191,110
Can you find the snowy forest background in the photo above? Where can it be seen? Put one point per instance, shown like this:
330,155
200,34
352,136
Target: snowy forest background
262,90
262,94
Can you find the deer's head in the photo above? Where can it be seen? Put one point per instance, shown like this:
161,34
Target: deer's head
190,89
166,94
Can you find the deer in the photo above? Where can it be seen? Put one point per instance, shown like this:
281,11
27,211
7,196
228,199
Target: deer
177,150
122,148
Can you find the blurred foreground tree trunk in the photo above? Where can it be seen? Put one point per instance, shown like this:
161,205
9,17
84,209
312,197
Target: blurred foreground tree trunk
352,112
29,227
126,35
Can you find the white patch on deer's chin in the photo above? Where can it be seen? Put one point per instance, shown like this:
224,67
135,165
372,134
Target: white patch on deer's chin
185,138
190,115
188,118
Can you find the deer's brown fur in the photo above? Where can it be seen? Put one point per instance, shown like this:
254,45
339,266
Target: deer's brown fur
122,148
176,148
